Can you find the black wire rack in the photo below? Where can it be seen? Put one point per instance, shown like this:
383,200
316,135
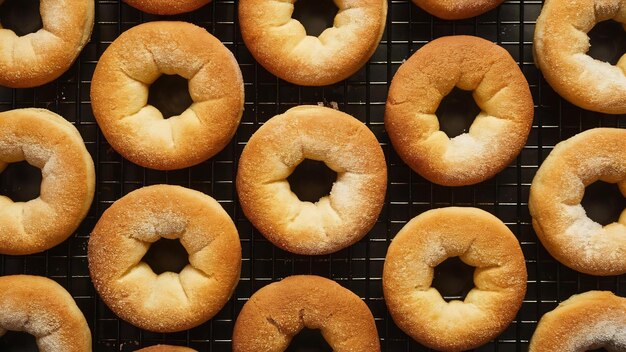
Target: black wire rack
358,268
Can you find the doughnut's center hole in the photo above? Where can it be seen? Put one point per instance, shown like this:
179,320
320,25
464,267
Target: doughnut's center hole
18,341
608,41
309,340
453,279
21,16
20,181
603,202
457,112
166,255
315,15
170,94
312,180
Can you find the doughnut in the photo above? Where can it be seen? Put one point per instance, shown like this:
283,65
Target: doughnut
559,219
455,9
166,348
42,308
41,57
168,302
561,45
337,220
46,141
584,322
496,136
279,311
480,240
167,7
138,131
281,45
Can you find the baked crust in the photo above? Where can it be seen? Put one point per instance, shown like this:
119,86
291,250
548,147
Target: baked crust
41,57
167,7
457,9
49,142
279,311
281,45
559,219
480,240
44,309
496,136
334,222
166,348
561,45
138,131
167,302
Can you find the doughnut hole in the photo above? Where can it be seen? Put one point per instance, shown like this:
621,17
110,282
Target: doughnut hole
309,340
608,42
170,95
20,181
18,341
20,16
315,15
166,255
457,112
453,279
603,202
311,180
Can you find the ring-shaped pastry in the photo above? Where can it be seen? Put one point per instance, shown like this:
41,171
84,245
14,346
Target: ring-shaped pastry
166,348
167,7
457,9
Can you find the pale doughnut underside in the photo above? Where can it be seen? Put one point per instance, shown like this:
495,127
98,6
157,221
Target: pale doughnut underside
559,219
457,9
480,240
279,311
166,348
561,45
41,57
167,7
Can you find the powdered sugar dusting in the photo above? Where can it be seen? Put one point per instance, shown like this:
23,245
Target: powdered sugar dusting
582,227
604,75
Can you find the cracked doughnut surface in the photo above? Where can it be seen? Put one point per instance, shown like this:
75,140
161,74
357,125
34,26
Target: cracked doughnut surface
46,141
138,131
561,44
559,219
166,348
167,7
170,301
480,240
279,311
41,307
281,44
41,57
337,220
497,134
457,9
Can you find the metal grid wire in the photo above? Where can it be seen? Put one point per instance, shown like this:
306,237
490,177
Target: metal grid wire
359,267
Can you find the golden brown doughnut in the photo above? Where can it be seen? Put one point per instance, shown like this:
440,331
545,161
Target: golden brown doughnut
41,57
49,142
281,44
334,222
584,322
480,240
44,309
166,348
279,311
559,219
561,45
170,301
457,9
167,7
138,131
496,136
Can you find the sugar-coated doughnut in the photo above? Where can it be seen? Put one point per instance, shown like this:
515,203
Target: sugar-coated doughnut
49,142
138,131
279,311
41,57
166,348
281,44
496,136
457,9
561,45
170,301
559,219
480,240
167,7
42,308
584,322
334,222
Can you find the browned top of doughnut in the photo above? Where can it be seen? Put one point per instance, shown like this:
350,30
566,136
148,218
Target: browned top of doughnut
279,311
170,301
281,45
557,190
119,93
497,134
167,7
561,45
457,9
480,240
336,221
44,309
166,348
41,57
584,322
